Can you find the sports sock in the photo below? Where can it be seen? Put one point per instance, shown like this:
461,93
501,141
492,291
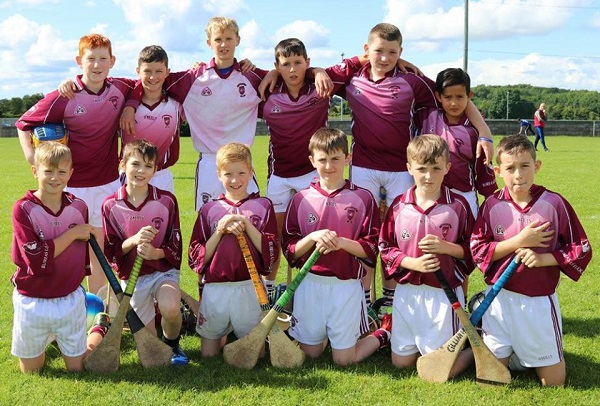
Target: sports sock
388,294
368,296
270,285
383,336
171,342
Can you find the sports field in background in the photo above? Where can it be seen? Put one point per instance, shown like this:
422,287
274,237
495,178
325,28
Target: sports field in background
570,168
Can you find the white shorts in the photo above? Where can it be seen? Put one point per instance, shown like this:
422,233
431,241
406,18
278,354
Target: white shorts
423,319
471,198
37,322
94,197
208,185
328,307
395,183
531,327
144,294
227,307
280,190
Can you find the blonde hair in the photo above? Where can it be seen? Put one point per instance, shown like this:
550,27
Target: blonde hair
220,24
51,154
427,148
233,152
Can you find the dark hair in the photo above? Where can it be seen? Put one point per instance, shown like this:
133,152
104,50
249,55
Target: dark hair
451,77
290,46
514,144
145,148
387,32
328,140
153,53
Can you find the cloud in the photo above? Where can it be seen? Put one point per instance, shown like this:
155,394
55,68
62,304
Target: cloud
311,33
224,8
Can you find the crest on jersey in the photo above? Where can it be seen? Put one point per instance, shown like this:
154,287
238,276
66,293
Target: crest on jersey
312,218
205,197
115,102
79,110
313,101
405,234
395,90
206,91
276,110
446,227
350,214
242,89
255,220
32,247
167,120
357,91
499,230
157,222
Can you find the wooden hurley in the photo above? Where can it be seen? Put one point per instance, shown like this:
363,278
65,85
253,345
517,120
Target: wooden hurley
489,371
284,353
243,353
106,356
437,366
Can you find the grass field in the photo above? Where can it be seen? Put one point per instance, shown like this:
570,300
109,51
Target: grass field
567,169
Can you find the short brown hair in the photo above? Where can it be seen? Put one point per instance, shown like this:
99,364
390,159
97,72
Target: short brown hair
51,154
328,140
142,147
385,31
514,144
234,152
220,24
288,47
153,53
427,148
92,41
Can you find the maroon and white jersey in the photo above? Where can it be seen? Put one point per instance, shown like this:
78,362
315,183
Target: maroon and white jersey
406,223
467,173
227,263
292,121
40,274
220,108
382,116
122,220
93,124
159,124
500,218
350,211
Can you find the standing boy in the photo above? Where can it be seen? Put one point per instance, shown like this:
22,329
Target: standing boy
220,104
229,301
92,119
541,228
383,100
425,230
468,174
342,222
539,122
49,248
140,219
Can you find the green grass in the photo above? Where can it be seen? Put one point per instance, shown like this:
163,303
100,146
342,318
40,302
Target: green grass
566,169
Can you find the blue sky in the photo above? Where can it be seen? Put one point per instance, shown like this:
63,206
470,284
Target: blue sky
552,43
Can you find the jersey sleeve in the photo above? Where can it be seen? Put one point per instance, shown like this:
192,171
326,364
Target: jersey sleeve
172,244
50,109
574,252
113,242
482,241
29,251
270,246
291,233
369,234
391,255
485,178
200,235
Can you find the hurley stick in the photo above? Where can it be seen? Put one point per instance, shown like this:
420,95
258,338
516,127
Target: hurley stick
243,353
152,352
106,356
489,370
284,353
437,365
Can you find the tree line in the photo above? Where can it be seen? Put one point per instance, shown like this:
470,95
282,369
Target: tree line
494,102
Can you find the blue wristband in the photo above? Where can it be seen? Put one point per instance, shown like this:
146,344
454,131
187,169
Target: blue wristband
486,139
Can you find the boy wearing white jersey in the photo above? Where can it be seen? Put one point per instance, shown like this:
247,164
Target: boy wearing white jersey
342,222
425,230
49,248
140,219
541,228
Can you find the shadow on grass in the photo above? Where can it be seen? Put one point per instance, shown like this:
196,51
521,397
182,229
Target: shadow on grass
585,328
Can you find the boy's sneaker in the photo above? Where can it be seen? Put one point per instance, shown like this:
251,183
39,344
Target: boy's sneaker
179,358
101,324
